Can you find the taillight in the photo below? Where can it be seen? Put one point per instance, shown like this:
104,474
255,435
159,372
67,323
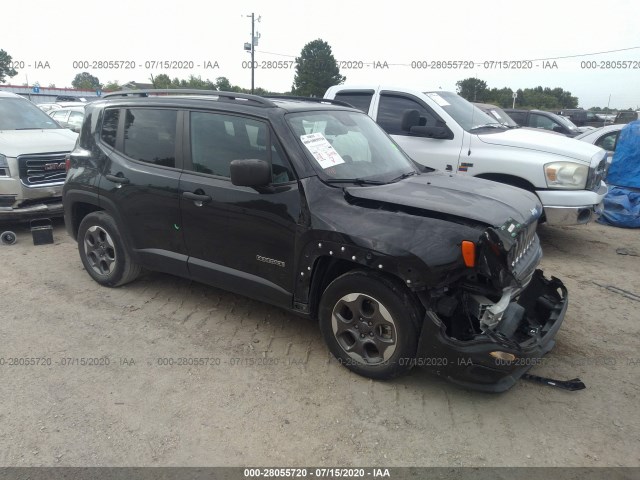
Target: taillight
67,162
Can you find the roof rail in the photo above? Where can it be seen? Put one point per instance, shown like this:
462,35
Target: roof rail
224,96
310,99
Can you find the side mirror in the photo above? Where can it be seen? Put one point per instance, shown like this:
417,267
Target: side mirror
410,118
430,132
558,129
250,173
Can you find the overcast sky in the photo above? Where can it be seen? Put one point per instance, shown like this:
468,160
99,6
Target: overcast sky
399,33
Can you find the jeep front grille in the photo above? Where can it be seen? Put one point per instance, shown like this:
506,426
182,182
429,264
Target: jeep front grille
524,241
43,169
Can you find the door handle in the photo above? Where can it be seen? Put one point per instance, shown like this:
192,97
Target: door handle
117,178
196,197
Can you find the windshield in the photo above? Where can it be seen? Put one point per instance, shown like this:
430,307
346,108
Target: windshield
500,115
21,114
467,115
564,121
349,146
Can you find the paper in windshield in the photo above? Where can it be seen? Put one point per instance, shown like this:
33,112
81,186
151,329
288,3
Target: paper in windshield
322,150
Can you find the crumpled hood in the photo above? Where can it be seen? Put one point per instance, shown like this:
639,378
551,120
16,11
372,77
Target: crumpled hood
542,142
22,142
450,194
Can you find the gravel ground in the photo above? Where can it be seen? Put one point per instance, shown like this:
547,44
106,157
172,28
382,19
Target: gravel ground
271,395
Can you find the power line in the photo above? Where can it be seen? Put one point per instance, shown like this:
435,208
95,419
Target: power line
531,60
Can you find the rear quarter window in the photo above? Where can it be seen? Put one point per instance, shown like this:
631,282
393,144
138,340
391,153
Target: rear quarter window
110,127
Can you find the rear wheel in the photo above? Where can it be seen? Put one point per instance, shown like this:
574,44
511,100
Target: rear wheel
103,252
370,324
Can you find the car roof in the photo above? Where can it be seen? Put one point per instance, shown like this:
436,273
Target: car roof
230,101
11,95
78,108
601,130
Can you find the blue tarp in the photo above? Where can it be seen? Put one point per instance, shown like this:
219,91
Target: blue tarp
621,208
622,203
625,167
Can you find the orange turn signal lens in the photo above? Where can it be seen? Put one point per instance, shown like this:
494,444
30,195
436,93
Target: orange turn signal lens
469,253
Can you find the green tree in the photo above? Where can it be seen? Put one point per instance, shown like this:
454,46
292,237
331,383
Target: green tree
473,89
316,70
112,86
85,81
5,66
161,81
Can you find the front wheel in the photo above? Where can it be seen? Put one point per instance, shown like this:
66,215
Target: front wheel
103,252
370,324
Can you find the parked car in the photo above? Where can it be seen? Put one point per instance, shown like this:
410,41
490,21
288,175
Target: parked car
69,117
47,107
497,113
584,118
501,116
626,117
32,160
310,206
604,137
543,120
442,130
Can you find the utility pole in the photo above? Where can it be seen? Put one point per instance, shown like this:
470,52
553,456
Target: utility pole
251,46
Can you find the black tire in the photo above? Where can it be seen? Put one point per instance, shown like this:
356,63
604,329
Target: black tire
8,238
374,342
103,252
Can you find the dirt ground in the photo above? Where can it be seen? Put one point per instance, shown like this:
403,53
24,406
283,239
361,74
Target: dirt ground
268,393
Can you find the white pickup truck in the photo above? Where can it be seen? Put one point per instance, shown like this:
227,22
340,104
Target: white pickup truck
442,130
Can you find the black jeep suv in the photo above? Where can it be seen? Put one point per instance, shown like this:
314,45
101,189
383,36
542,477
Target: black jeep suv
310,206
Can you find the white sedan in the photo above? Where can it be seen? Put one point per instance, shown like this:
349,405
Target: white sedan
603,137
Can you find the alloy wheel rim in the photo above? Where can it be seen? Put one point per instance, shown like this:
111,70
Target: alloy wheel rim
100,250
364,328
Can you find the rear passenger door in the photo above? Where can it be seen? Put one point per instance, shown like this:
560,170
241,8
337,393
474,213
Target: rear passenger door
139,183
238,238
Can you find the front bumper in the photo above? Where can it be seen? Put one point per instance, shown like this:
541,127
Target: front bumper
567,207
469,363
53,209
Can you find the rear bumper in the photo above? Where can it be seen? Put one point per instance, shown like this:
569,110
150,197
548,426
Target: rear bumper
470,364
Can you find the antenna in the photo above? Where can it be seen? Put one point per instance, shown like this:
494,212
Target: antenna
473,111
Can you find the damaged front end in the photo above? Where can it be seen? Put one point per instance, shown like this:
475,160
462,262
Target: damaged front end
488,329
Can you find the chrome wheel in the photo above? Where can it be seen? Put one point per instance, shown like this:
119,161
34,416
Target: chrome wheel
100,250
364,328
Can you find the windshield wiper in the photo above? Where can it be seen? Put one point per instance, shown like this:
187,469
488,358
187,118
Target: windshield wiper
404,175
30,128
357,181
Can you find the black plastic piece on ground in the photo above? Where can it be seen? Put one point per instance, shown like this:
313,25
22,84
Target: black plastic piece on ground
42,231
571,385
